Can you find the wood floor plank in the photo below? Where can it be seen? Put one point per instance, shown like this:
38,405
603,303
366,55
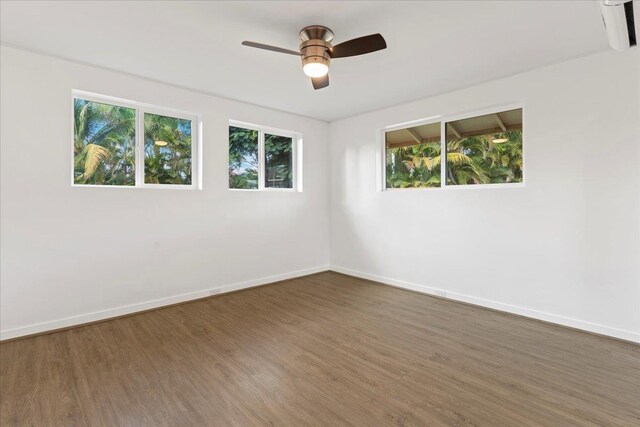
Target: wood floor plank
326,349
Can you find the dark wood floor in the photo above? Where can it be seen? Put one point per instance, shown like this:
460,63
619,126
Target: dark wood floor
321,350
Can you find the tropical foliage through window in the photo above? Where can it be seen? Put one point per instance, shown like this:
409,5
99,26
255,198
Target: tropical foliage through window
278,161
104,146
480,150
413,157
485,149
167,150
479,160
244,160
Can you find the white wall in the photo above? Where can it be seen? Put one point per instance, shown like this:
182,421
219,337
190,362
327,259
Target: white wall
565,248
71,255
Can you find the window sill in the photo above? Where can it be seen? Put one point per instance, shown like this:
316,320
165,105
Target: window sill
141,187
460,187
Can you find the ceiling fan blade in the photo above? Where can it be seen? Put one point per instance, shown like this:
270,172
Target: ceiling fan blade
320,82
271,48
359,46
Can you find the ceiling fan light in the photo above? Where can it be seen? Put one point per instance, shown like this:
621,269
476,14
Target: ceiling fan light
161,143
499,140
315,69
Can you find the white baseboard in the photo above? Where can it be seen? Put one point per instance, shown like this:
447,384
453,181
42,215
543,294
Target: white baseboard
146,305
540,315
133,308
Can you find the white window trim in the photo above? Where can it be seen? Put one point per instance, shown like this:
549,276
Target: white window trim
296,156
141,109
382,182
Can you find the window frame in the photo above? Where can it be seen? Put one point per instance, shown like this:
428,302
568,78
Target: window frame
140,110
444,119
296,156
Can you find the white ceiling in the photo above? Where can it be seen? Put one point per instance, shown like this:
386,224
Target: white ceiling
433,47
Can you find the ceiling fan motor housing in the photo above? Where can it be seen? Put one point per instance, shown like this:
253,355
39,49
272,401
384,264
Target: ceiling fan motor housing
316,42
315,50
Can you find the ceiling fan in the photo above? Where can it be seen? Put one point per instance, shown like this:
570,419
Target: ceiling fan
317,51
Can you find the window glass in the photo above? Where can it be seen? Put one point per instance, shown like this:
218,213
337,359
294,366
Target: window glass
103,143
260,160
485,149
243,158
278,161
167,150
413,157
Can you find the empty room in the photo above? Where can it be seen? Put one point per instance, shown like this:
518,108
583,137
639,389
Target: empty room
320,213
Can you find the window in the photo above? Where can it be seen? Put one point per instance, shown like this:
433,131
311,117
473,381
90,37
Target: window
124,143
278,153
262,158
480,150
243,158
167,150
485,149
104,142
413,156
